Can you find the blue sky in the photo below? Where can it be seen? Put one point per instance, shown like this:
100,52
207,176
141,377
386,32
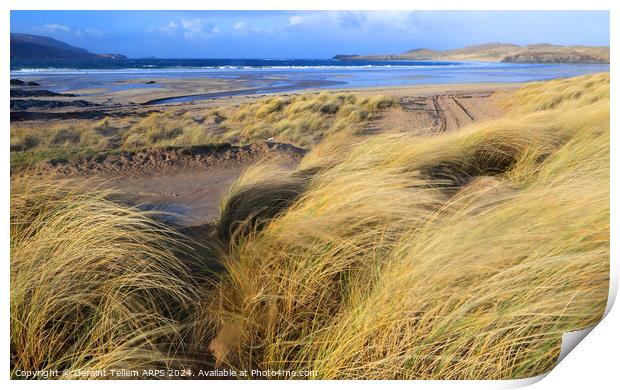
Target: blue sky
305,34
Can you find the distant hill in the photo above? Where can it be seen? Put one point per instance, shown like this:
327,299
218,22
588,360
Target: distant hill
26,47
500,52
545,53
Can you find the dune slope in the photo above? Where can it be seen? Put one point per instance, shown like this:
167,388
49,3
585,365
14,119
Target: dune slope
458,256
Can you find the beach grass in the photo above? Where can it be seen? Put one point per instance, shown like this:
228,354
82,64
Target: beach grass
463,255
303,120
94,285
460,256
57,137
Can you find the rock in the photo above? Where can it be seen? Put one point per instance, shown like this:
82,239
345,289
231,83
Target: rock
112,56
345,57
37,93
25,104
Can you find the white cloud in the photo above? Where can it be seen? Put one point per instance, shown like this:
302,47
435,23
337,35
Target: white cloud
192,27
61,28
54,28
401,21
169,28
242,29
198,28
294,20
351,19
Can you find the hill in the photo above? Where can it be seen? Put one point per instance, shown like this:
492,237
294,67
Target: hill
544,53
27,46
501,52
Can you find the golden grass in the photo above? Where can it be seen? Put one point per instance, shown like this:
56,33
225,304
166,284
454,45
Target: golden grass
166,129
260,194
458,256
303,119
58,136
561,93
94,285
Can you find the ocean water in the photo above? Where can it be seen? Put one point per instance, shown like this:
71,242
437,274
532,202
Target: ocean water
136,65
272,75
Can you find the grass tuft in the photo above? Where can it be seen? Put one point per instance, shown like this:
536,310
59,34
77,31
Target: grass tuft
458,256
94,285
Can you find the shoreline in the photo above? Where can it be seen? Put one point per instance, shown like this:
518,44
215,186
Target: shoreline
241,92
184,86
119,106
400,90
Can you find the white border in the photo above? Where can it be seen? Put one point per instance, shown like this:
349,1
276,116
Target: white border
593,363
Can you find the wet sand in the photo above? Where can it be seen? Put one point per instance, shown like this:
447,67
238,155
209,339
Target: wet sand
158,90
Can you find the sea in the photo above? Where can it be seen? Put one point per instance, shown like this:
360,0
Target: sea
273,75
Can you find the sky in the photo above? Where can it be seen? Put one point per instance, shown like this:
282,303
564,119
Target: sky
305,34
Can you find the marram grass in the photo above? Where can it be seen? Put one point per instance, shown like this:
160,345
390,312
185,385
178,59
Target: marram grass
303,120
94,285
458,256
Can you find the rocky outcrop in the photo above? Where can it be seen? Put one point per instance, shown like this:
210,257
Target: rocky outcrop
112,56
25,104
345,57
21,93
24,83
